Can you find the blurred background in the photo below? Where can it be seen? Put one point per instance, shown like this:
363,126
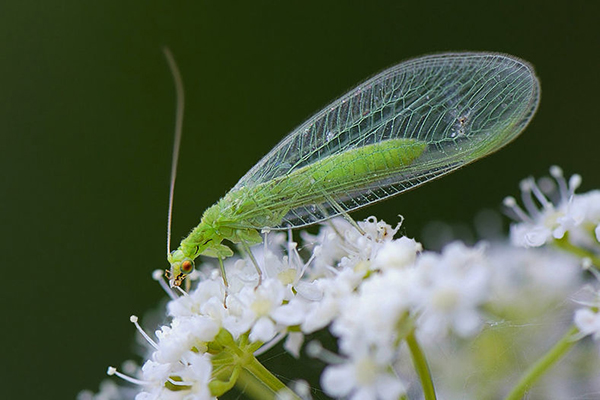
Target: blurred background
86,120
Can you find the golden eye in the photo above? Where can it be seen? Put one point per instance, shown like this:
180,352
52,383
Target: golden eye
187,266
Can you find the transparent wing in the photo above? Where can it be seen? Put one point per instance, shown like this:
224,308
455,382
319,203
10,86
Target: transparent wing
463,106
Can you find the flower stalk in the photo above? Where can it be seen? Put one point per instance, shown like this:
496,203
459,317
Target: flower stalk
421,366
537,370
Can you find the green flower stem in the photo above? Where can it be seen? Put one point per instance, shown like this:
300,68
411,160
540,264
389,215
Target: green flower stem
421,366
543,365
258,382
234,364
564,244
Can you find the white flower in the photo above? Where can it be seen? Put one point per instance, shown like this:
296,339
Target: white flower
340,241
548,216
184,334
545,275
588,322
194,373
241,273
323,310
361,378
363,248
289,269
197,372
153,371
290,314
251,310
585,234
200,301
453,287
155,375
329,243
293,343
399,253
368,318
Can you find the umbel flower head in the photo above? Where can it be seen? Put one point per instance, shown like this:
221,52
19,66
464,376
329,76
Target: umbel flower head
398,313
553,210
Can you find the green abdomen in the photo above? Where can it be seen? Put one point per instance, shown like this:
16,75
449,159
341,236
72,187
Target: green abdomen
332,178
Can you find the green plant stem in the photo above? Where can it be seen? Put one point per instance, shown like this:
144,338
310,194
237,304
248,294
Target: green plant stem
421,366
259,383
564,244
543,365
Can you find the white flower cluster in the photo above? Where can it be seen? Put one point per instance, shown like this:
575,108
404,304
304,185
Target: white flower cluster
552,209
372,292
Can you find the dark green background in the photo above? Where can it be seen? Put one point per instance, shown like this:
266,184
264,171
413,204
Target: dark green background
86,120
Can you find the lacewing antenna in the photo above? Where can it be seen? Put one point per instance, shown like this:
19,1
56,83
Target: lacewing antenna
180,105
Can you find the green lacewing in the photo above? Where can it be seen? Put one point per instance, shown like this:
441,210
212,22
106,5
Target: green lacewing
410,124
